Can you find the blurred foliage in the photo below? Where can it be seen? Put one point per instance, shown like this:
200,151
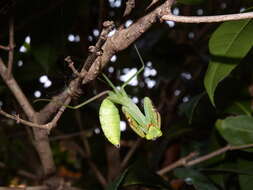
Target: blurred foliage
177,57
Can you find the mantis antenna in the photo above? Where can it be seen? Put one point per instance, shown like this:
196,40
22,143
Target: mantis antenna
110,82
140,70
135,74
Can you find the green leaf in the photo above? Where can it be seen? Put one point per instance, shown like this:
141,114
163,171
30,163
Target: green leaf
228,45
188,108
139,174
195,178
236,130
240,108
116,183
245,181
190,2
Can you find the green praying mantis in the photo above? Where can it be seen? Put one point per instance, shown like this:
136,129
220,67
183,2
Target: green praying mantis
146,125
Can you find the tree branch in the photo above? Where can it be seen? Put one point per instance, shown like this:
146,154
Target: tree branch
207,19
180,162
6,48
186,161
47,126
28,123
125,37
41,141
16,91
11,47
130,153
92,165
21,172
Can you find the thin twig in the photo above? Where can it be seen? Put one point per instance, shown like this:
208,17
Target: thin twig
84,139
17,92
97,49
97,173
11,47
67,136
93,166
207,19
6,48
86,147
180,162
28,123
208,156
71,66
216,153
21,172
130,4
60,112
152,3
130,153
47,126
186,161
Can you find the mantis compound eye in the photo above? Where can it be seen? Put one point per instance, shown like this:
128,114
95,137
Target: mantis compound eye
153,133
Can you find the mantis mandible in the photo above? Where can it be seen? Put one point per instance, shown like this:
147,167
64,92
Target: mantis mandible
146,125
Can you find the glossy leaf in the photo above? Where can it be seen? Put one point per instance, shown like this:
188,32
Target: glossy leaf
236,130
228,45
240,108
117,182
195,178
137,175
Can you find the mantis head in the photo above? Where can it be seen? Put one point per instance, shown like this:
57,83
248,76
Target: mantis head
153,133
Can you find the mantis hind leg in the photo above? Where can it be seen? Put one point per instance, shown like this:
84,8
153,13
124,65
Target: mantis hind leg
132,123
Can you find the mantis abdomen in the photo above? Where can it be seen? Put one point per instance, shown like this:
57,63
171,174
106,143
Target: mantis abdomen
110,121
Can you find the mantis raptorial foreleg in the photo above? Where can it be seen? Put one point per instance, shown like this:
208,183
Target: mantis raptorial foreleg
77,106
132,123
